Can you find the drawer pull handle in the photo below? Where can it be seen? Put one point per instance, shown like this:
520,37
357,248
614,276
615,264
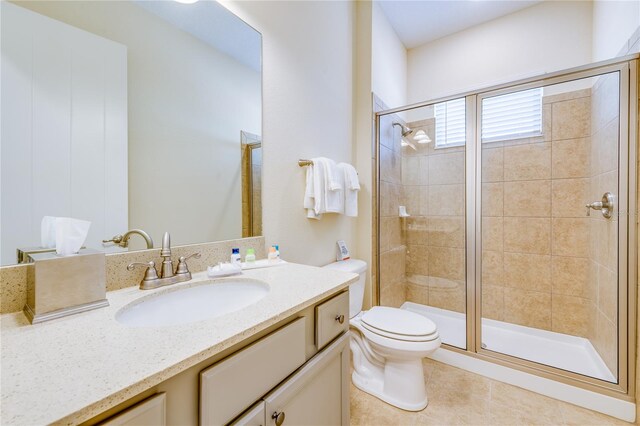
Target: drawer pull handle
278,417
340,319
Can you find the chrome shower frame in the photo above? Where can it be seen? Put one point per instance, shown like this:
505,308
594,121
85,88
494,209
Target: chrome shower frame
627,67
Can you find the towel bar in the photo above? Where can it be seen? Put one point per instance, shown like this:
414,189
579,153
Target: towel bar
304,163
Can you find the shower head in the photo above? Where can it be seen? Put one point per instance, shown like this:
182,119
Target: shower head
405,130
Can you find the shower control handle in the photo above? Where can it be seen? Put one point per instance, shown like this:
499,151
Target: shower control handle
605,205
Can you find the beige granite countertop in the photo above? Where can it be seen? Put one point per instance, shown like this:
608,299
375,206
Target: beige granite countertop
71,369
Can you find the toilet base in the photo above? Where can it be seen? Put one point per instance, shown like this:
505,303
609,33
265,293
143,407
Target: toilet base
375,388
396,382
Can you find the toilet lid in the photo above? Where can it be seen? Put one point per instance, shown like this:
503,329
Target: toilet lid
394,321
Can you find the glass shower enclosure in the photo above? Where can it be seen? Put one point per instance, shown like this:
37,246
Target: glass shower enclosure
504,216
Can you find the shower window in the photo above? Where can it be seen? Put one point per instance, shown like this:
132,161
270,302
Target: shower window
450,123
512,116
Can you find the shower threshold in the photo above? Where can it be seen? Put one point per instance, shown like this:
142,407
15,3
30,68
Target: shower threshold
564,351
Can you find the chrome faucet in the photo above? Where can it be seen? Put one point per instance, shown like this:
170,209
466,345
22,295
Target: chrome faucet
167,276
123,240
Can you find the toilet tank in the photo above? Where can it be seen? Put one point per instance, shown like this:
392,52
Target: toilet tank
356,290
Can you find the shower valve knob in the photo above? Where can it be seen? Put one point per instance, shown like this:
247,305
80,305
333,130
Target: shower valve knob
605,205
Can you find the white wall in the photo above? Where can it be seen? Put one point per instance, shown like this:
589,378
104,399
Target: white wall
188,103
389,61
614,22
547,37
308,53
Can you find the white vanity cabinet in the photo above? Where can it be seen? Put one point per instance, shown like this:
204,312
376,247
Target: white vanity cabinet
254,417
293,391
317,394
297,369
150,412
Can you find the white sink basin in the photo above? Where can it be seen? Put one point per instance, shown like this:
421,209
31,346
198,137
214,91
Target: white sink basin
197,302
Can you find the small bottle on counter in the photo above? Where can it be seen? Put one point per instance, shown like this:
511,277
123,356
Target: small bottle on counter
275,246
273,257
235,256
250,257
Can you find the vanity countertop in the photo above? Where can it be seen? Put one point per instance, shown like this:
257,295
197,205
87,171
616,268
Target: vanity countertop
71,369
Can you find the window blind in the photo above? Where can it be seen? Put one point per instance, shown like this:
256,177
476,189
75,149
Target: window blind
450,123
512,116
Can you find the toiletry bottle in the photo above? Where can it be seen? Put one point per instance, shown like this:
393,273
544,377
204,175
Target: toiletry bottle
235,256
275,246
273,257
250,257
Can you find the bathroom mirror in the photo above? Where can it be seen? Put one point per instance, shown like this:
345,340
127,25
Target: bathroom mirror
129,114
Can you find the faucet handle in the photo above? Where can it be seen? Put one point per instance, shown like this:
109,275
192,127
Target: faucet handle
150,274
117,239
182,267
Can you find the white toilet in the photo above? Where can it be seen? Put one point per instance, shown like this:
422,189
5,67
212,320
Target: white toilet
388,345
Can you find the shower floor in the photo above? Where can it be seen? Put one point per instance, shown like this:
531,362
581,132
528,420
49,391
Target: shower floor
570,353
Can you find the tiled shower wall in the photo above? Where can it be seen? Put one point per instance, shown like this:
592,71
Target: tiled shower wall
392,241
433,191
535,235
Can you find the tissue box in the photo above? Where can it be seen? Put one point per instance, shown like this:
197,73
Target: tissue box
58,286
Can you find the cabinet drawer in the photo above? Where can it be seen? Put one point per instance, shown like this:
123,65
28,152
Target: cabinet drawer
150,412
332,319
230,386
253,417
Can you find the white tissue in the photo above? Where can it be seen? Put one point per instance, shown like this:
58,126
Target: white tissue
48,232
70,235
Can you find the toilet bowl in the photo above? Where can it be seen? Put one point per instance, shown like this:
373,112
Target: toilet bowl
387,346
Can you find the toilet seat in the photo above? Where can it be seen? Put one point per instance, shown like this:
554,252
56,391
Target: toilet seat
399,324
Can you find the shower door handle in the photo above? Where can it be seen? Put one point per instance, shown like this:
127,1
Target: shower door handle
605,205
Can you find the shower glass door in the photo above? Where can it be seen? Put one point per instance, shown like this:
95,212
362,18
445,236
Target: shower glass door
549,172
421,236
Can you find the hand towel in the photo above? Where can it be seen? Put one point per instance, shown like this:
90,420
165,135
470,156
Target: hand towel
333,187
351,188
309,195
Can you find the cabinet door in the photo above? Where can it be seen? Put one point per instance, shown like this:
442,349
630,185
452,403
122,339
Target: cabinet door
318,394
150,412
253,417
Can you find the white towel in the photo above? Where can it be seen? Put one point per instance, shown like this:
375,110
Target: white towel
309,195
331,185
351,188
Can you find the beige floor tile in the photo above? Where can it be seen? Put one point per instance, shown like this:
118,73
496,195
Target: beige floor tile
464,382
532,407
458,397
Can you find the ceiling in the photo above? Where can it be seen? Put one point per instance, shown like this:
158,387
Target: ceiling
215,25
419,22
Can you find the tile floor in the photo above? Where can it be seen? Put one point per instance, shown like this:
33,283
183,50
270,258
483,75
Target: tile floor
458,397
